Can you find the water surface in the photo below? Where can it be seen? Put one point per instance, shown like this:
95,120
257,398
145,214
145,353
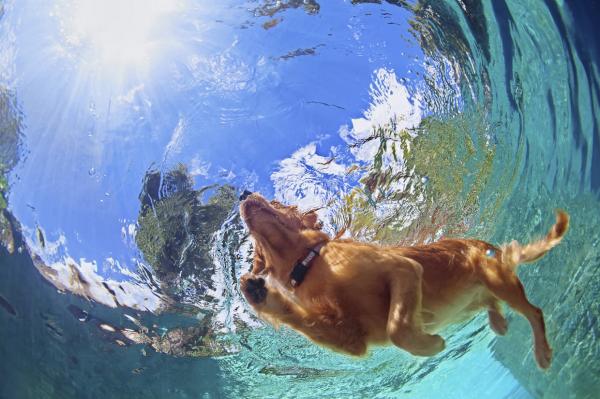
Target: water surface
129,128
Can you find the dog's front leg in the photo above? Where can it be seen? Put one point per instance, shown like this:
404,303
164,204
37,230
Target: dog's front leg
405,325
268,301
277,307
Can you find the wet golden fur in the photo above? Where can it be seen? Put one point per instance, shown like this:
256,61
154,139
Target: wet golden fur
357,294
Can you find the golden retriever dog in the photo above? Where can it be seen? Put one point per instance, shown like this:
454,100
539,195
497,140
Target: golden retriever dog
346,295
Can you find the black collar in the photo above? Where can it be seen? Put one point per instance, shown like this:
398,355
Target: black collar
301,268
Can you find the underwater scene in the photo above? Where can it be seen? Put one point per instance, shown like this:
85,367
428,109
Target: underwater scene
130,128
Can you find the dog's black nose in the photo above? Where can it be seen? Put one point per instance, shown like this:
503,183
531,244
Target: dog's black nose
245,195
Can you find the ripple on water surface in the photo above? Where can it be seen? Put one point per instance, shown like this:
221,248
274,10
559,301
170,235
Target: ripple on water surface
401,123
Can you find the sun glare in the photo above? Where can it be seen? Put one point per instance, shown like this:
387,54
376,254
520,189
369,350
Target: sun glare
116,32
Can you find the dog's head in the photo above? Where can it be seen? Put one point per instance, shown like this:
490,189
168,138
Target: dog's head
281,233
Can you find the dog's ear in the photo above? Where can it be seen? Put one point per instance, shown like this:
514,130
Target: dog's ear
277,205
310,220
258,263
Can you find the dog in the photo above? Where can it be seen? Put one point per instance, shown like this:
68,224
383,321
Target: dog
347,295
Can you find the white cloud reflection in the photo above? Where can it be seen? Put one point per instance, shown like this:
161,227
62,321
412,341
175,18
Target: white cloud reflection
310,180
81,277
390,101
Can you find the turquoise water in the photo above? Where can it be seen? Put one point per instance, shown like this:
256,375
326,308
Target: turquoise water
127,130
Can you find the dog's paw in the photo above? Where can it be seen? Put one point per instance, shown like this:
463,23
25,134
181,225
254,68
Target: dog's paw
425,345
433,345
543,356
254,289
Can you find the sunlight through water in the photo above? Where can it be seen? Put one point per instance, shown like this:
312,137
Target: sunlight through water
115,34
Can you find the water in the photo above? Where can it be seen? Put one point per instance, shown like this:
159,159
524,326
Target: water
129,128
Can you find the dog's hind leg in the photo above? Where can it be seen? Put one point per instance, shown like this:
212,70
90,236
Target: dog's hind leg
505,285
496,318
404,325
500,278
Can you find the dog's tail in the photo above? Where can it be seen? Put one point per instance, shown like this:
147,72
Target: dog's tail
514,254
